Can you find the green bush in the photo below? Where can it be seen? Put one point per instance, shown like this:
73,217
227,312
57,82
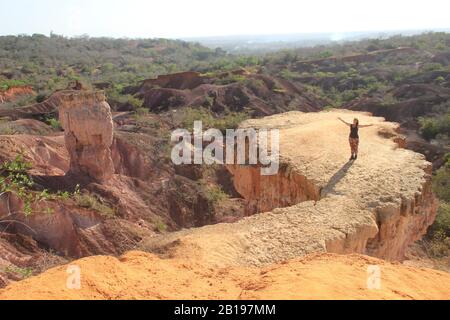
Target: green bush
441,182
288,74
215,194
231,78
54,123
279,90
442,223
134,102
93,202
23,273
161,227
14,178
230,120
447,161
6,84
325,54
141,112
439,80
433,66
438,245
430,127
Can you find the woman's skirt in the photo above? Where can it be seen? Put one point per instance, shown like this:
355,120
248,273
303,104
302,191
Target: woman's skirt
354,143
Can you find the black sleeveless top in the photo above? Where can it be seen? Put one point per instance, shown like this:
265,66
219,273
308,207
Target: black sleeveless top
354,132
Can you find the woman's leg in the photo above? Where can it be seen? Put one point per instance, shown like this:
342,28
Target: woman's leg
354,143
350,140
356,148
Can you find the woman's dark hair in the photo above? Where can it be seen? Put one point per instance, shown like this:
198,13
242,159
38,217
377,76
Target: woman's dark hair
357,121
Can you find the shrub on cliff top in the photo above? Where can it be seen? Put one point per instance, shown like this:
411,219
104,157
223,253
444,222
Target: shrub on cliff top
230,120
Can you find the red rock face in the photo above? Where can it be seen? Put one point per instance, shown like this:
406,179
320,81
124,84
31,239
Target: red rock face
129,160
262,94
88,126
400,226
13,93
265,193
47,155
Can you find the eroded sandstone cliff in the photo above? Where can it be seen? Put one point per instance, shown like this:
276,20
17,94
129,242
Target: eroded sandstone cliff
88,130
319,201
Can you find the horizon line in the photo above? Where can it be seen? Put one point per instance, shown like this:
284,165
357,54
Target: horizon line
362,32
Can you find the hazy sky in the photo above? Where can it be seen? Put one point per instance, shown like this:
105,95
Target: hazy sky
192,18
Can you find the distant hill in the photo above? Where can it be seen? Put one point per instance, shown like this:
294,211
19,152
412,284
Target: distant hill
257,44
49,63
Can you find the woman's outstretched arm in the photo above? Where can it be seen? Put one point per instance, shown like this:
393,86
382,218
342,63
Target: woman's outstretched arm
366,125
349,124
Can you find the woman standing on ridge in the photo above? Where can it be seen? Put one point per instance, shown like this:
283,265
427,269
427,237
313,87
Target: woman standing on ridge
354,136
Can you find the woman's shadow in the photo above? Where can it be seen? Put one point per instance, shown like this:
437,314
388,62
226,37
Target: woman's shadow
334,180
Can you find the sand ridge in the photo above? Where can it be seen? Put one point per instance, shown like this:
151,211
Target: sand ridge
139,275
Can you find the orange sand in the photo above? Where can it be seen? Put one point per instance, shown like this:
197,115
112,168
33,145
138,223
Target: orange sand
139,275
